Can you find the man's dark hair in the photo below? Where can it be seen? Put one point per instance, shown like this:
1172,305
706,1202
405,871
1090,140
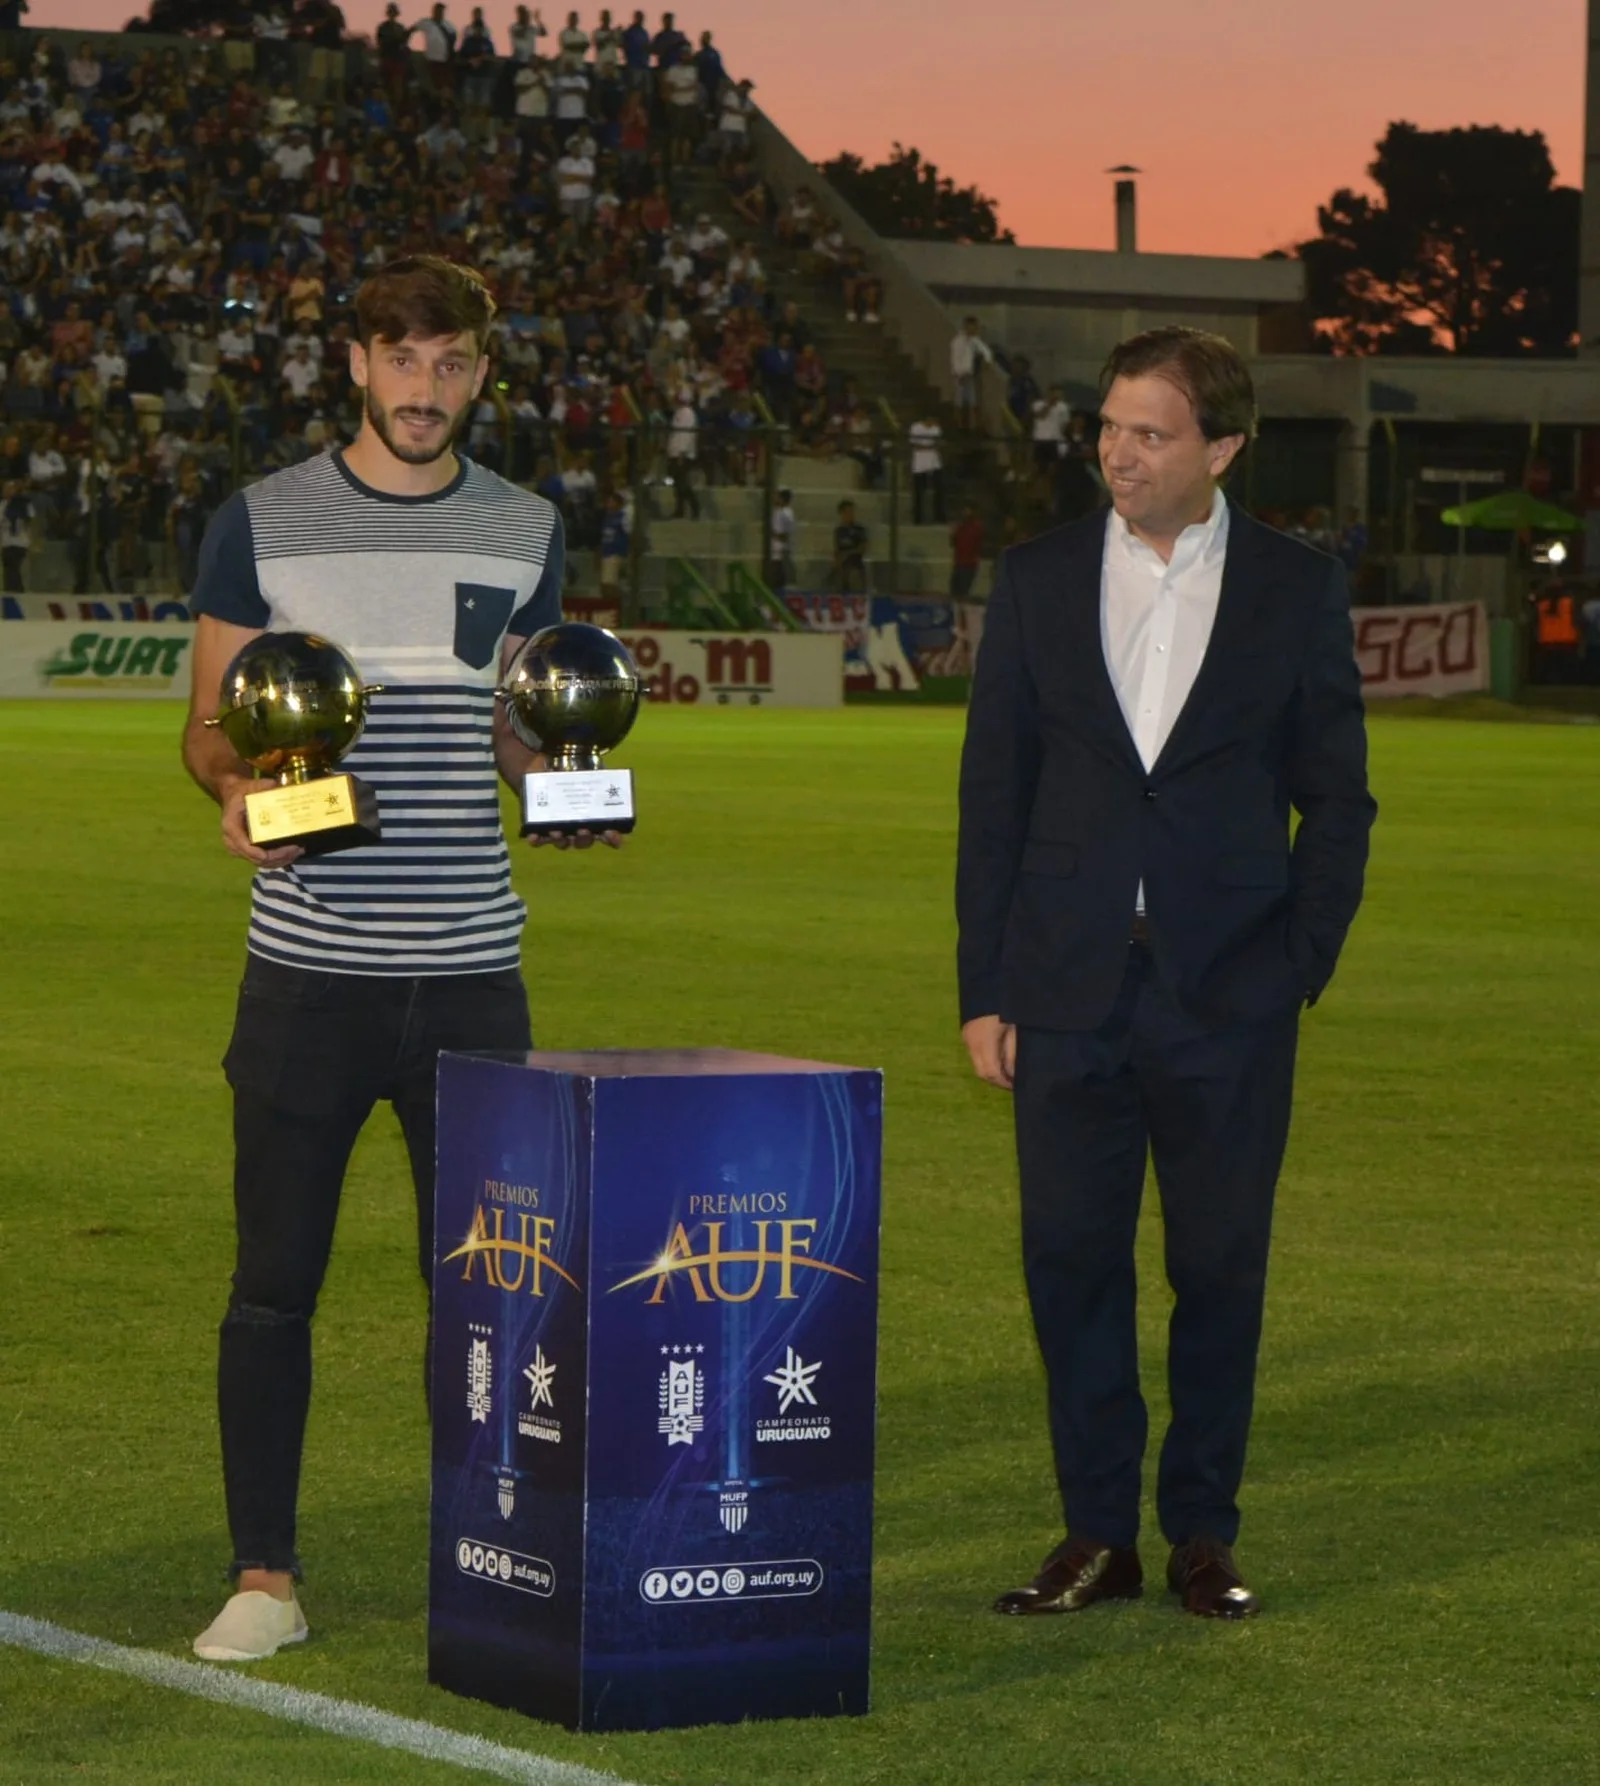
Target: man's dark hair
1208,369
426,295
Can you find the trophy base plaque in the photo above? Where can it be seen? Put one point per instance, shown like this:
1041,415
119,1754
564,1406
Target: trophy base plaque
557,802
327,813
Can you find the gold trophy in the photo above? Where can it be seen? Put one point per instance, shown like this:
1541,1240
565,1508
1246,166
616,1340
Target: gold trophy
293,704
572,693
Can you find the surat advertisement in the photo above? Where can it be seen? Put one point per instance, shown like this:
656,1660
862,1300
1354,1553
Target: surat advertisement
137,659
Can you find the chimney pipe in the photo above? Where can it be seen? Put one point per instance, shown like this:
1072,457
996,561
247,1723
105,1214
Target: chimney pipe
1127,209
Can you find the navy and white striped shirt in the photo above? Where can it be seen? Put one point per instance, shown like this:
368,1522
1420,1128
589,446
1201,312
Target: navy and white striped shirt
421,592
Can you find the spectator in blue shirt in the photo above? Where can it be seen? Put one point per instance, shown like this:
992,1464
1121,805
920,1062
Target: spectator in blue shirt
708,64
668,43
613,540
636,51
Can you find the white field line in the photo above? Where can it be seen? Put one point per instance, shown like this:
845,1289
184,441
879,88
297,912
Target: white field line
335,1717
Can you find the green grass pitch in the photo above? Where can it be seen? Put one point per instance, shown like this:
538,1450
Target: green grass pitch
1422,1505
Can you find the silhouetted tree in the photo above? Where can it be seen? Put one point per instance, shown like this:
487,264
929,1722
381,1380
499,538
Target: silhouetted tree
1470,247
908,197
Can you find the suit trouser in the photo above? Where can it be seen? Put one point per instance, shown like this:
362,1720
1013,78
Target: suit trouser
311,1054
1210,1107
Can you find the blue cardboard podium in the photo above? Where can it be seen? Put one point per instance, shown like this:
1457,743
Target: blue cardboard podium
654,1385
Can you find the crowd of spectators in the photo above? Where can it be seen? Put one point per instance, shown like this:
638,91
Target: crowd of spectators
180,242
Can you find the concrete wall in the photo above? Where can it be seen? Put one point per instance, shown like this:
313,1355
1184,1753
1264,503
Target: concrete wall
1001,269
912,315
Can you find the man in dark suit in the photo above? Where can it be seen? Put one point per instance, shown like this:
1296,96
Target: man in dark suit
1156,689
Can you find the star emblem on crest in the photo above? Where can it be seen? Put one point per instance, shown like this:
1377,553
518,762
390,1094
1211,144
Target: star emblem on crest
792,1380
541,1376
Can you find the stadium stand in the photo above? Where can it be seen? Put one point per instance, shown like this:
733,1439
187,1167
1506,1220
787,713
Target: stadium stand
184,220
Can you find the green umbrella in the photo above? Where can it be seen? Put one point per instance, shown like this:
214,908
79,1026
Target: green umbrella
1512,511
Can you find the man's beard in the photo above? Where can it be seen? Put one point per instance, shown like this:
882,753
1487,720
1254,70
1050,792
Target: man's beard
380,419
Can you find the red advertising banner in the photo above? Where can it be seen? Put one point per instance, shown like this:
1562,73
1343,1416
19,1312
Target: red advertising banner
1440,650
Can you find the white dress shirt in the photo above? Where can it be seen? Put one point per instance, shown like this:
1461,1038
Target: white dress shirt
1156,620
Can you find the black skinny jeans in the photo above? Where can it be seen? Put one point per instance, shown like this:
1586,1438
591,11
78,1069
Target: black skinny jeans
311,1054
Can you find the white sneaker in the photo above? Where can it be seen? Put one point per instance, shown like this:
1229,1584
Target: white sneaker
250,1628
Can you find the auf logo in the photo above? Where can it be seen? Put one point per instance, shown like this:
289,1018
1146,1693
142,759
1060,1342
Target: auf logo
494,1248
705,1268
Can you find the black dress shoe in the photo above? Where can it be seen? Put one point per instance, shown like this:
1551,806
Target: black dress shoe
1076,1574
1205,1575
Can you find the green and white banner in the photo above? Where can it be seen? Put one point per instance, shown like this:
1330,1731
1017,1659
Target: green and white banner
139,659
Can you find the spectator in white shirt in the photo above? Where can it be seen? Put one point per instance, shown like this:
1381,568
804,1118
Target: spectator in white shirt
572,98
532,85
438,45
575,186
927,467
798,220
677,263
607,48
780,542
84,71
707,241
682,451
236,349
680,88
745,269
110,368
293,157
57,173
733,120
1052,420
300,373
525,34
968,351
574,39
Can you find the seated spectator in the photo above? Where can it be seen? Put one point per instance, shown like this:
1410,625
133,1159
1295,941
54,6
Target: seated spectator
799,220
300,373
707,243
810,375
858,434
747,193
863,293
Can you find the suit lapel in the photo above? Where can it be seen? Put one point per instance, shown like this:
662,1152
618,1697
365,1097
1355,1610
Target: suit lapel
1235,607
1087,643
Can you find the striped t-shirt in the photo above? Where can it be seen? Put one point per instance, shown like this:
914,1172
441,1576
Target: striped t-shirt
421,592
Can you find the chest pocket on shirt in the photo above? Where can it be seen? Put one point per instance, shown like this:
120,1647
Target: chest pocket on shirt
481,615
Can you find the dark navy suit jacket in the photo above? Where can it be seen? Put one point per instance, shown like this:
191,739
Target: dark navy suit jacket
1060,820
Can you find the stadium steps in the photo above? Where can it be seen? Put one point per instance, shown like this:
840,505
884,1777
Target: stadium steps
861,351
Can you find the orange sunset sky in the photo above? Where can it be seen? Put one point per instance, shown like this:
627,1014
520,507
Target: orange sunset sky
1243,114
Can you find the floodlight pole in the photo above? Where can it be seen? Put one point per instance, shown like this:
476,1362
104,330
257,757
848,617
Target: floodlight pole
1589,228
